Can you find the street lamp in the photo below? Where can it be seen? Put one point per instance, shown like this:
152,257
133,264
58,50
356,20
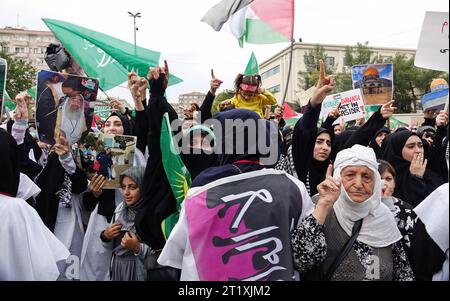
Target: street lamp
136,15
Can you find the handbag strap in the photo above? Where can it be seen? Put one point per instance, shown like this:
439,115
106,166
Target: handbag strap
345,250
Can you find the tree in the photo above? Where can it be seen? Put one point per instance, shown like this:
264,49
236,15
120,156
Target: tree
308,78
20,74
410,82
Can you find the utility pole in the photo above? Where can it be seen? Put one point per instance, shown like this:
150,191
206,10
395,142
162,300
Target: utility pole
136,15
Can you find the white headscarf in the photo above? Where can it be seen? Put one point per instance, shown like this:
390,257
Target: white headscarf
378,228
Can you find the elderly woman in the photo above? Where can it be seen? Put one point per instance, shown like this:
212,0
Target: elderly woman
351,233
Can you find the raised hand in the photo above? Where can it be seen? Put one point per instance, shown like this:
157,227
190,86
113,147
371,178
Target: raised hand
215,83
225,104
62,146
442,118
329,191
96,185
21,112
418,165
325,86
154,74
116,104
387,110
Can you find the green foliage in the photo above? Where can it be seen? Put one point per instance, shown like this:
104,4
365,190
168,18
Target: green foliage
410,82
227,94
309,78
21,74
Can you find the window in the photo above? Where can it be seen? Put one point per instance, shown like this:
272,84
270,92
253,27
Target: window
21,37
5,38
19,50
274,89
329,60
271,72
5,49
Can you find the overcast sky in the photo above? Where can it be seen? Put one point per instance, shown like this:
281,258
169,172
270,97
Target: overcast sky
192,48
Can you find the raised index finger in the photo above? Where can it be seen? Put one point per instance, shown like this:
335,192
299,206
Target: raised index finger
330,170
388,104
322,70
212,74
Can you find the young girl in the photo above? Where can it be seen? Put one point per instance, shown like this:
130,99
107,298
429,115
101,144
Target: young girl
128,253
249,95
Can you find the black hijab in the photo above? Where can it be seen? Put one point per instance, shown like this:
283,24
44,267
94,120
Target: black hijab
126,123
318,170
231,161
9,164
409,188
373,143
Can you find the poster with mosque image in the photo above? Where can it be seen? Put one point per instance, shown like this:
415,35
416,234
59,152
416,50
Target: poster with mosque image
63,105
375,81
105,154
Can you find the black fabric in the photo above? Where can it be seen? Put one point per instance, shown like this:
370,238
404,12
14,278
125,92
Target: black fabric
50,180
358,135
425,256
205,108
236,114
373,143
228,161
196,163
26,165
106,203
436,154
159,201
303,143
408,187
9,164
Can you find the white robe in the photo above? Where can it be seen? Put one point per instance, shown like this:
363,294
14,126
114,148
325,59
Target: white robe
95,259
29,250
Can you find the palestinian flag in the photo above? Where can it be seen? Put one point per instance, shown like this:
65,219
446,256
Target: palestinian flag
254,21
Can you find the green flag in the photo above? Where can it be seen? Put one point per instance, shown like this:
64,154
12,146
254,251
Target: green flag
177,174
252,66
104,57
32,92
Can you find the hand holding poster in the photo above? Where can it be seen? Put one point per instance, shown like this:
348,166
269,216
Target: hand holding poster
432,51
107,155
351,108
375,81
62,106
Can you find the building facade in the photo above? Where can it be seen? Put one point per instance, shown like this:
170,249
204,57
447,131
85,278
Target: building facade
185,100
29,45
274,71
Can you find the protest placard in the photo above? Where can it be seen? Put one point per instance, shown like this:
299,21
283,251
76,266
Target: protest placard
62,105
432,51
375,81
105,154
437,98
351,105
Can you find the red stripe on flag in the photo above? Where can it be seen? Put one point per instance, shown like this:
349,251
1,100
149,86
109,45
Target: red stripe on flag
288,112
278,14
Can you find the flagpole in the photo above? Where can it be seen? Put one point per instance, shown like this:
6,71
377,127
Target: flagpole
291,55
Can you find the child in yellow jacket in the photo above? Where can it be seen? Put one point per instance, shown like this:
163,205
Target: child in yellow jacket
249,95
